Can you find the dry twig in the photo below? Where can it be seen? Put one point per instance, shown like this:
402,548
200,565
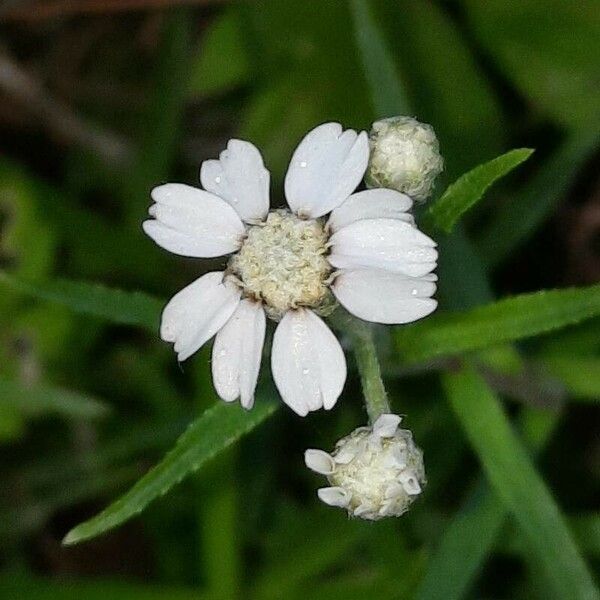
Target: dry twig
23,88
49,9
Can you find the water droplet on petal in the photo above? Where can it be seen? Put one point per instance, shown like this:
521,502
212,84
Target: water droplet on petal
414,291
305,371
303,163
218,179
223,352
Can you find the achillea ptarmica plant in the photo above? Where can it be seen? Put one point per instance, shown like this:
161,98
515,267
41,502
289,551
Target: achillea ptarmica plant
374,472
405,156
291,265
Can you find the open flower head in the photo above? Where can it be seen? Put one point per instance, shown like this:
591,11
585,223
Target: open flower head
375,472
292,265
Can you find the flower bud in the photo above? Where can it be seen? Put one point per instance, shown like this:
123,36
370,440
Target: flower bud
405,156
374,472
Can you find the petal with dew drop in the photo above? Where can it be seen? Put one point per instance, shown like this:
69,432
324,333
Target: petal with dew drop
325,169
308,363
239,177
384,297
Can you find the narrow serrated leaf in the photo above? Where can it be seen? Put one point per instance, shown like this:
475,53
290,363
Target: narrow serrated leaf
118,306
468,189
216,429
507,320
518,485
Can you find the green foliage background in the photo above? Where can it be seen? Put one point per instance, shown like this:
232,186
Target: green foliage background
500,387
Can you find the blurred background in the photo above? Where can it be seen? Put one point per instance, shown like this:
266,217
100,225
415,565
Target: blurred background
100,100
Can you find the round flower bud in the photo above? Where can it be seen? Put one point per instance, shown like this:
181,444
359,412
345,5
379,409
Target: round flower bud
374,472
405,156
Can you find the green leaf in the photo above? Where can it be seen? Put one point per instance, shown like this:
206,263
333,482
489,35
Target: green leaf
433,55
466,191
516,482
579,374
45,398
387,94
222,61
547,49
18,586
470,534
507,320
216,429
474,530
127,308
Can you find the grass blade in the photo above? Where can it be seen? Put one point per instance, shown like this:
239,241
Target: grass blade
35,588
468,189
507,320
475,529
118,306
44,398
216,429
387,95
518,485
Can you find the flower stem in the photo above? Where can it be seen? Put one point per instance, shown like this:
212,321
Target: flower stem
363,344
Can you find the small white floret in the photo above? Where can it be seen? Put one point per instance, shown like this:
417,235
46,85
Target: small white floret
319,462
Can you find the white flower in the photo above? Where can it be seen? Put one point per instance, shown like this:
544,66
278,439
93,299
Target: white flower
290,265
405,156
374,472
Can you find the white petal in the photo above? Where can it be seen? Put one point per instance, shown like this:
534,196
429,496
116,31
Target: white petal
393,490
325,169
307,361
334,496
410,483
346,454
237,352
192,222
197,312
371,204
384,297
319,462
385,426
240,178
363,509
383,244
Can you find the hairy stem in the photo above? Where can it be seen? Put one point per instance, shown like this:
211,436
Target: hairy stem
363,345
